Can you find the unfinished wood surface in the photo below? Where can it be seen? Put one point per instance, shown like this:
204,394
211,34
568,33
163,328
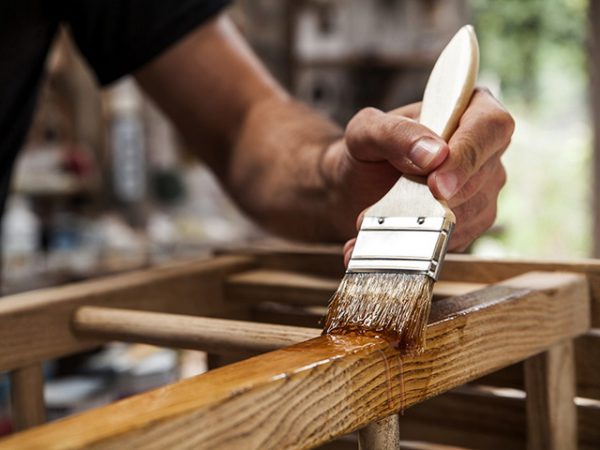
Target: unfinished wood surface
216,336
587,362
35,326
27,397
266,285
551,411
381,435
306,394
494,419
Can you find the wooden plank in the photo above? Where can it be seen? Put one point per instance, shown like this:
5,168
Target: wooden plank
283,314
327,261
267,285
309,393
478,270
474,417
550,387
35,326
587,362
381,435
27,397
216,336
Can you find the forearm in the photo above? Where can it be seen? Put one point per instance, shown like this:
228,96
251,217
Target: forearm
275,170
265,147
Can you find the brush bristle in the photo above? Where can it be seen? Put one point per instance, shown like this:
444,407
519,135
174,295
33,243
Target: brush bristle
395,305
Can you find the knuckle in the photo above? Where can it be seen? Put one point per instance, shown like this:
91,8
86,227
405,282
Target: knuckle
479,90
504,123
502,176
368,113
469,155
395,129
501,123
490,218
356,130
468,190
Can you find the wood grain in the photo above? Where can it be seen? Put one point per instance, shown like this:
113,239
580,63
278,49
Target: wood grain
35,326
551,411
27,397
306,394
216,336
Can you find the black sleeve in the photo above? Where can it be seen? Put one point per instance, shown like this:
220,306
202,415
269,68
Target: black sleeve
119,36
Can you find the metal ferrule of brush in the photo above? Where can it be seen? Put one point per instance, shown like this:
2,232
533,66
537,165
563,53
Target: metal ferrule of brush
401,244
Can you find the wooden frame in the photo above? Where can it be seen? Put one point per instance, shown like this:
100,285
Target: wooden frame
486,316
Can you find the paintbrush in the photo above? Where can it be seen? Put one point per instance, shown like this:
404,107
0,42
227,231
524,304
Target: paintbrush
403,238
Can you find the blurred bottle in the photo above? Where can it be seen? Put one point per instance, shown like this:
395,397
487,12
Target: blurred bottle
128,150
20,245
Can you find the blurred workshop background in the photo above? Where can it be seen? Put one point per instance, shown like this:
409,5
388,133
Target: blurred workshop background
106,185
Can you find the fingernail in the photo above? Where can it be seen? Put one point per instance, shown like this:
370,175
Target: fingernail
447,184
424,152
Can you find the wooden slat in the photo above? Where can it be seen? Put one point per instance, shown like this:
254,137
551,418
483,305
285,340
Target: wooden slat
27,397
266,285
35,326
306,394
327,262
587,362
477,270
496,420
283,314
280,286
217,336
550,387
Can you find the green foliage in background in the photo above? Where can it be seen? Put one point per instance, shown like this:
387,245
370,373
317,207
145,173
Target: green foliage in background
536,49
517,37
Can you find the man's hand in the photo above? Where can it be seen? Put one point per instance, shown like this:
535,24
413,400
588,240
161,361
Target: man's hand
466,172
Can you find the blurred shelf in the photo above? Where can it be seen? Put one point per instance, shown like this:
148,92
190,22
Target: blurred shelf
413,61
53,186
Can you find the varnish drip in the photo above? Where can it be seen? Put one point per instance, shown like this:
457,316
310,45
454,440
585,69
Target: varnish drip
394,305
388,379
401,372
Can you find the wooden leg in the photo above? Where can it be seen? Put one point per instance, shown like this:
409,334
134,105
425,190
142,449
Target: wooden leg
382,435
27,396
551,410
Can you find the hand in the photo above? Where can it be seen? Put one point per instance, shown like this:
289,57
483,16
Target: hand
466,171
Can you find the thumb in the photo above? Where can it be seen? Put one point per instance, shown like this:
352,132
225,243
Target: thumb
412,148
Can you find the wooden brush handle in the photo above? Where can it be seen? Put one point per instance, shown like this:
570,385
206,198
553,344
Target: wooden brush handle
446,98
